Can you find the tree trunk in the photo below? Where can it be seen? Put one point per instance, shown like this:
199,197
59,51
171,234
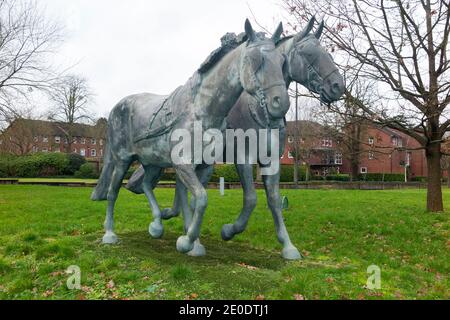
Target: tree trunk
354,171
434,196
296,172
448,177
308,173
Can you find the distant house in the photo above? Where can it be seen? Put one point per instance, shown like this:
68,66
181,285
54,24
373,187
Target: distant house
25,136
388,151
315,145
382,150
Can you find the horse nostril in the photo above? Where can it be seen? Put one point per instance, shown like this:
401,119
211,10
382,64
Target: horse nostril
276,102
336,87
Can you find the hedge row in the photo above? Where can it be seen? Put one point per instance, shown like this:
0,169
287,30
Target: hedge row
382,177
40,165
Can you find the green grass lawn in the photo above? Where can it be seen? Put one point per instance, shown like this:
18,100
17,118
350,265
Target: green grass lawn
44,230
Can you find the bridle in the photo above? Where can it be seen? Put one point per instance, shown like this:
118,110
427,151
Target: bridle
261,97
314,81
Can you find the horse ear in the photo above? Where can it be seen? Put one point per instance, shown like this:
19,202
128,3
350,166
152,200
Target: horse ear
277,34
249,31
307,30
319,31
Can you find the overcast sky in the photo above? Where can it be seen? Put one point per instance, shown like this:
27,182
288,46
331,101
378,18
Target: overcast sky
127,47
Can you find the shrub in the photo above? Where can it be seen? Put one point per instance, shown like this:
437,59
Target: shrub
87,171
75,162
420,179
379,177
338,177
39,165
227,171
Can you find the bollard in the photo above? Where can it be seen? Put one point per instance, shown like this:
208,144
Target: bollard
222,186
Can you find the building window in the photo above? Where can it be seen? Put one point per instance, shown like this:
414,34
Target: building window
35,149
45,139
101,142
371,155
75,140
45,150
291,139
57,139
83,140
363,170
397,142
66,141
371,140
338,159
93,153
83,152
74,150
101,152
93,141
327,143
36,139
290,155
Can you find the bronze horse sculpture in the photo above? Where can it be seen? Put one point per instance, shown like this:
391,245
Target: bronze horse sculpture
140,126
311,66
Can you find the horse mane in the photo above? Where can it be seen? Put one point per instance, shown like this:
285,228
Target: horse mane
279,43
230,41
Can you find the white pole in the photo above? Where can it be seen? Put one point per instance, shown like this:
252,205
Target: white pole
222,186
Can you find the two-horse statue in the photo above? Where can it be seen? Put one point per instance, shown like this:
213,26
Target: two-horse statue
242,85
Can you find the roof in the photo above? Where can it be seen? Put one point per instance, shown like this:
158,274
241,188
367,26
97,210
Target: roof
42,127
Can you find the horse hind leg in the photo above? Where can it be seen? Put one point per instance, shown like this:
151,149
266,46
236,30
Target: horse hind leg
156,228
229,231
271,183
118,175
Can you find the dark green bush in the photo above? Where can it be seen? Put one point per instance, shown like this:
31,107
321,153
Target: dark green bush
75,162
38,165
227,171
419,179
379,177
338,177
87,171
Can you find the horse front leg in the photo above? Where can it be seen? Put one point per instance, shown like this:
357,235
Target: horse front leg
229,231
115,184
182,195
272,186
188,177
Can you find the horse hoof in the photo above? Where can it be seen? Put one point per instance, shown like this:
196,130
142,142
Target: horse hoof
291,253
184,244
198,251
228,232
110,238
167,214
156,230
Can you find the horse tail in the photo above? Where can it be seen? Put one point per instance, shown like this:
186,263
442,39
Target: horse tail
100,192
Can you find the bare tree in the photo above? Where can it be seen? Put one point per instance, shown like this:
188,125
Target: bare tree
403,46
71,96
27,38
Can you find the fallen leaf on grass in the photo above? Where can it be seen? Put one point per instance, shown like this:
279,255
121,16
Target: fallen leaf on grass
247,266
48,293
111,285
299,297
260,298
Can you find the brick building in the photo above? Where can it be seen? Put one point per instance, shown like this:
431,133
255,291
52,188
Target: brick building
389,151
316,148
26,136
382,150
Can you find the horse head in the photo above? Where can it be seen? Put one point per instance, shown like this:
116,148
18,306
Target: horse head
261,72
313,67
